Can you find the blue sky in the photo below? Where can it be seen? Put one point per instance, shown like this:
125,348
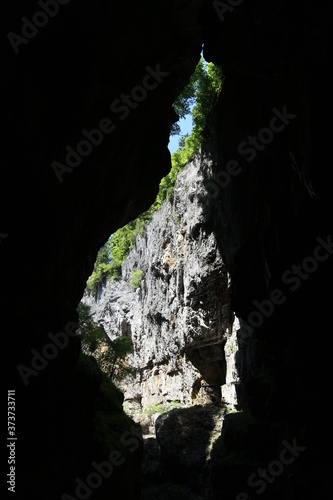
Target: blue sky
185,128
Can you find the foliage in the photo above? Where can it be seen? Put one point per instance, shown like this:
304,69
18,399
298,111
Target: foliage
111,256
110,354
110,422
231,347
104,268
122,241
113,360
199,94
184,102
202,89
91,334
159,408
136,278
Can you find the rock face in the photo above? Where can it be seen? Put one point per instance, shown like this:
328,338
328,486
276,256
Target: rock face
274,55
175,464
178,318
62,81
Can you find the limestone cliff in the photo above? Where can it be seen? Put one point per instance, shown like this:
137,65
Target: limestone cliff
178,317
62,81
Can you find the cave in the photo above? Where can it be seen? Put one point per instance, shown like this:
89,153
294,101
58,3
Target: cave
87,112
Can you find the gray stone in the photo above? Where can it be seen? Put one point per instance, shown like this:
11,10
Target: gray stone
176,318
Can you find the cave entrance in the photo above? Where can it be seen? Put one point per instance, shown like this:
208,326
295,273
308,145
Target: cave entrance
160,282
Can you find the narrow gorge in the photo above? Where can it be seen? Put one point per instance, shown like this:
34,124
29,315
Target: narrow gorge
226,295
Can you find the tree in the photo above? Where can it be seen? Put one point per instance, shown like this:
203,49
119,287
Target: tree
110,354
104,268
198,95
113,360
136,278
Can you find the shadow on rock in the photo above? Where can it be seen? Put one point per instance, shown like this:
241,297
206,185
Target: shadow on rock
174,462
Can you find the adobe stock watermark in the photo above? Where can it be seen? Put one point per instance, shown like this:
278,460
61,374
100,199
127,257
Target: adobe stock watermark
249,149
293,278
121,107
224,7
39,361
275,468
40,19
103,470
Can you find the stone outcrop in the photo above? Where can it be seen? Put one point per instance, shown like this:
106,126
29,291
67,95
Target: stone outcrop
178,318
64,79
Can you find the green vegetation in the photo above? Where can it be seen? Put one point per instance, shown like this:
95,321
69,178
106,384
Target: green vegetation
228,409
110,424
200,93
110,421
158,408
136,278
102,268
110,354
176,216
111,256
231,347
202,89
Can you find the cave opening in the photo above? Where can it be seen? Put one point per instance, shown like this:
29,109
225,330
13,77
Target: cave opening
175,366
87,114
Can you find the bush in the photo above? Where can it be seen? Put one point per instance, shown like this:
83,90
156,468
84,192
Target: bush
200,93
136,278
111,256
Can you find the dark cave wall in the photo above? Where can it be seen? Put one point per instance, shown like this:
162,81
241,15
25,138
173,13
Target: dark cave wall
62,81
272,212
